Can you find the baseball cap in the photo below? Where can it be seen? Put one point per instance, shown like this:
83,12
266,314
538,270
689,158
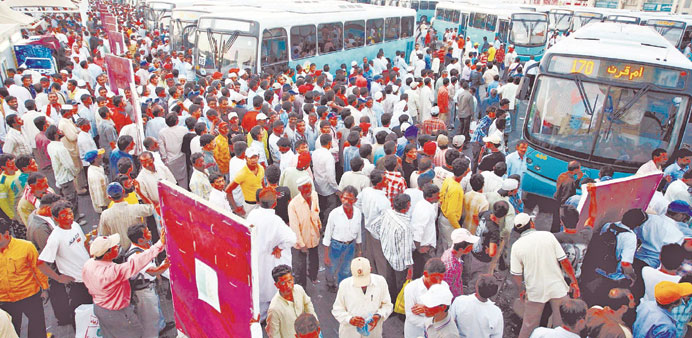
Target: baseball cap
250,152
667,292
437,294
435,111
494,139
463,235
81,83
521,220
114,189
261,116
303,180
458,141
102,244
377,96
510,184
232,114
360,270
91,155
680,207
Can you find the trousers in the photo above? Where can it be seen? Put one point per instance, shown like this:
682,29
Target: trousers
147,309
118,323
32,307
340,255
305,265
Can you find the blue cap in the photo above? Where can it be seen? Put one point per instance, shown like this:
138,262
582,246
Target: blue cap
114,189
292,92
411,132
361,100
91,155
143,63
680,207
377,77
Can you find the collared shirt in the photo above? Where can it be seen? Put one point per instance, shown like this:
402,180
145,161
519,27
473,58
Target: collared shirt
341,228
154,126
475,318
682,314
115,157
446,328
9,190
107,134
452,201
432,125
16,143
199,184
481,130
290,177
423,223
108,282
305,221
654,233
149,181
249,182
474,204
674,170
515,164
454,267
352,301
120,216
356,179
171,139
19,274
396,184
323,166
412,296
96,176
219,198
282,313
39,229
396,238
492,182
535,256
85,143
63,166
222,153
653,321
373,202
648,168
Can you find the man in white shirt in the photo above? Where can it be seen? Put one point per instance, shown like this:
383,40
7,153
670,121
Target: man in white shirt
476,315
672,256
342,238
324,169
85,142
374,202
16,141
355,177
423,220
573,312
655,165
537,264
434,272
362,300
218,196
680,189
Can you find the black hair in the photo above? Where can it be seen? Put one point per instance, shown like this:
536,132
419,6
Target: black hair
280,270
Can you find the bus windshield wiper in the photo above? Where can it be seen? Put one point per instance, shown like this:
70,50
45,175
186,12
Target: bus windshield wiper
618,114
584,97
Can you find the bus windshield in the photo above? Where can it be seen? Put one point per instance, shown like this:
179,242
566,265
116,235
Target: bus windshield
560,20
223,51
528,30
672,33
606,124
582,19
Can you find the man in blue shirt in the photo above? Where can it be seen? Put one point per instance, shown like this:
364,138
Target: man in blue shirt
654,319
682,159
125,145
654,233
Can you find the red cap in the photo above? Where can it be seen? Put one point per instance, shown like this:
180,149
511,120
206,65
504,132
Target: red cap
216,75
429,148
169,76
168,66
302,89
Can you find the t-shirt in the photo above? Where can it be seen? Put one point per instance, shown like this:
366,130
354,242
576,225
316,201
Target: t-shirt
249,182
651,277
66,249
535,256
488,232
489,161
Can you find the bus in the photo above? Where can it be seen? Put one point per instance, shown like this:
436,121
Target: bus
623,18
526,30
273,38
157,13
581,18
560,19
676,29
607,95
425,10
183,22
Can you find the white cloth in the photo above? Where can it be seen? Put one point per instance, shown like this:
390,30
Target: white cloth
324,169
373,203
414,326
351,301
66,248
678,190
218,199
272,232
341,228
651,277
85,143
558,332
492,183
61,161
423,223
234,166
17,143
29,126
648,168
416,196
535,256
476,319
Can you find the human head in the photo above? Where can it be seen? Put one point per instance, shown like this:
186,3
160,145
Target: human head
283,279
433,271
573,312
307,326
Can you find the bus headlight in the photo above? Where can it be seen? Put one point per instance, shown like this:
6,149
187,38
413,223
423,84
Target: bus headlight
537,168
529,160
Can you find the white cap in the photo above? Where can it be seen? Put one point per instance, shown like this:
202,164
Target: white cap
232,114
409,69
66,107
494,139
232,75
521,220
395,89
437,294
242,72
414,84
276,85
81,83
354,63
64,72
510,184
404,126
250,152
102,244
182,77
303,180
458,140
261,116
435,111
463,235
377,96
360,270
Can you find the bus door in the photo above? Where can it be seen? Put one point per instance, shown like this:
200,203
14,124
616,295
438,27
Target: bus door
463,23
503,30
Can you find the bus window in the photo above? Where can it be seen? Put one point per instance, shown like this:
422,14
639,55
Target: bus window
423,5
354,32
330,37
455,16
440,14
414,5
274,46
491,22
432,5
391,26
504,30
463,24
303,41
407,26
686,37
374,29
478,20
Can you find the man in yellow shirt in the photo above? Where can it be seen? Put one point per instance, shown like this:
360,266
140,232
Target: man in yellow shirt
249,178
451,203
287,305
21,282
9,191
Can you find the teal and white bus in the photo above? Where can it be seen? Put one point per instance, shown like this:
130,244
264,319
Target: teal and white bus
677,29
609,94
526,30
272,38
425,9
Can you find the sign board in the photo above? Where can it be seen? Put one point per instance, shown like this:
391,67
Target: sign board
210,250
120,73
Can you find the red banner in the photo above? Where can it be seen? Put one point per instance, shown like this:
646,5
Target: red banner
120,73
116,42
211,274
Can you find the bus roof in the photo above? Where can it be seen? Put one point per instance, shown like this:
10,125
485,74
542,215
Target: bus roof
631,42
504,10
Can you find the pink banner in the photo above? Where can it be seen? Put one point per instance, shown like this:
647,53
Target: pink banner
119,73
615,197
116,42
210,255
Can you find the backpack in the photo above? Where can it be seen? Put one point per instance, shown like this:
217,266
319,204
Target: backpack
600,254
137,282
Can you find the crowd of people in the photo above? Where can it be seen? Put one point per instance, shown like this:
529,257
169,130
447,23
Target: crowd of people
397,176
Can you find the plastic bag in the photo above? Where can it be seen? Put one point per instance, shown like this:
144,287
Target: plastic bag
399,305
87,325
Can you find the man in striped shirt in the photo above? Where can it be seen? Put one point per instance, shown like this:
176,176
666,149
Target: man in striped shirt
396,238
395,183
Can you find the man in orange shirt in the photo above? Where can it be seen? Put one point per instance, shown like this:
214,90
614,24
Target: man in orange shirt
250,118
21,282
304,219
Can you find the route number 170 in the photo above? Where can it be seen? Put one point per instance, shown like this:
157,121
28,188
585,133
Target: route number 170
582,66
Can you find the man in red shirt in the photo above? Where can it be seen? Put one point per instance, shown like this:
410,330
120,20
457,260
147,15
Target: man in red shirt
250,118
